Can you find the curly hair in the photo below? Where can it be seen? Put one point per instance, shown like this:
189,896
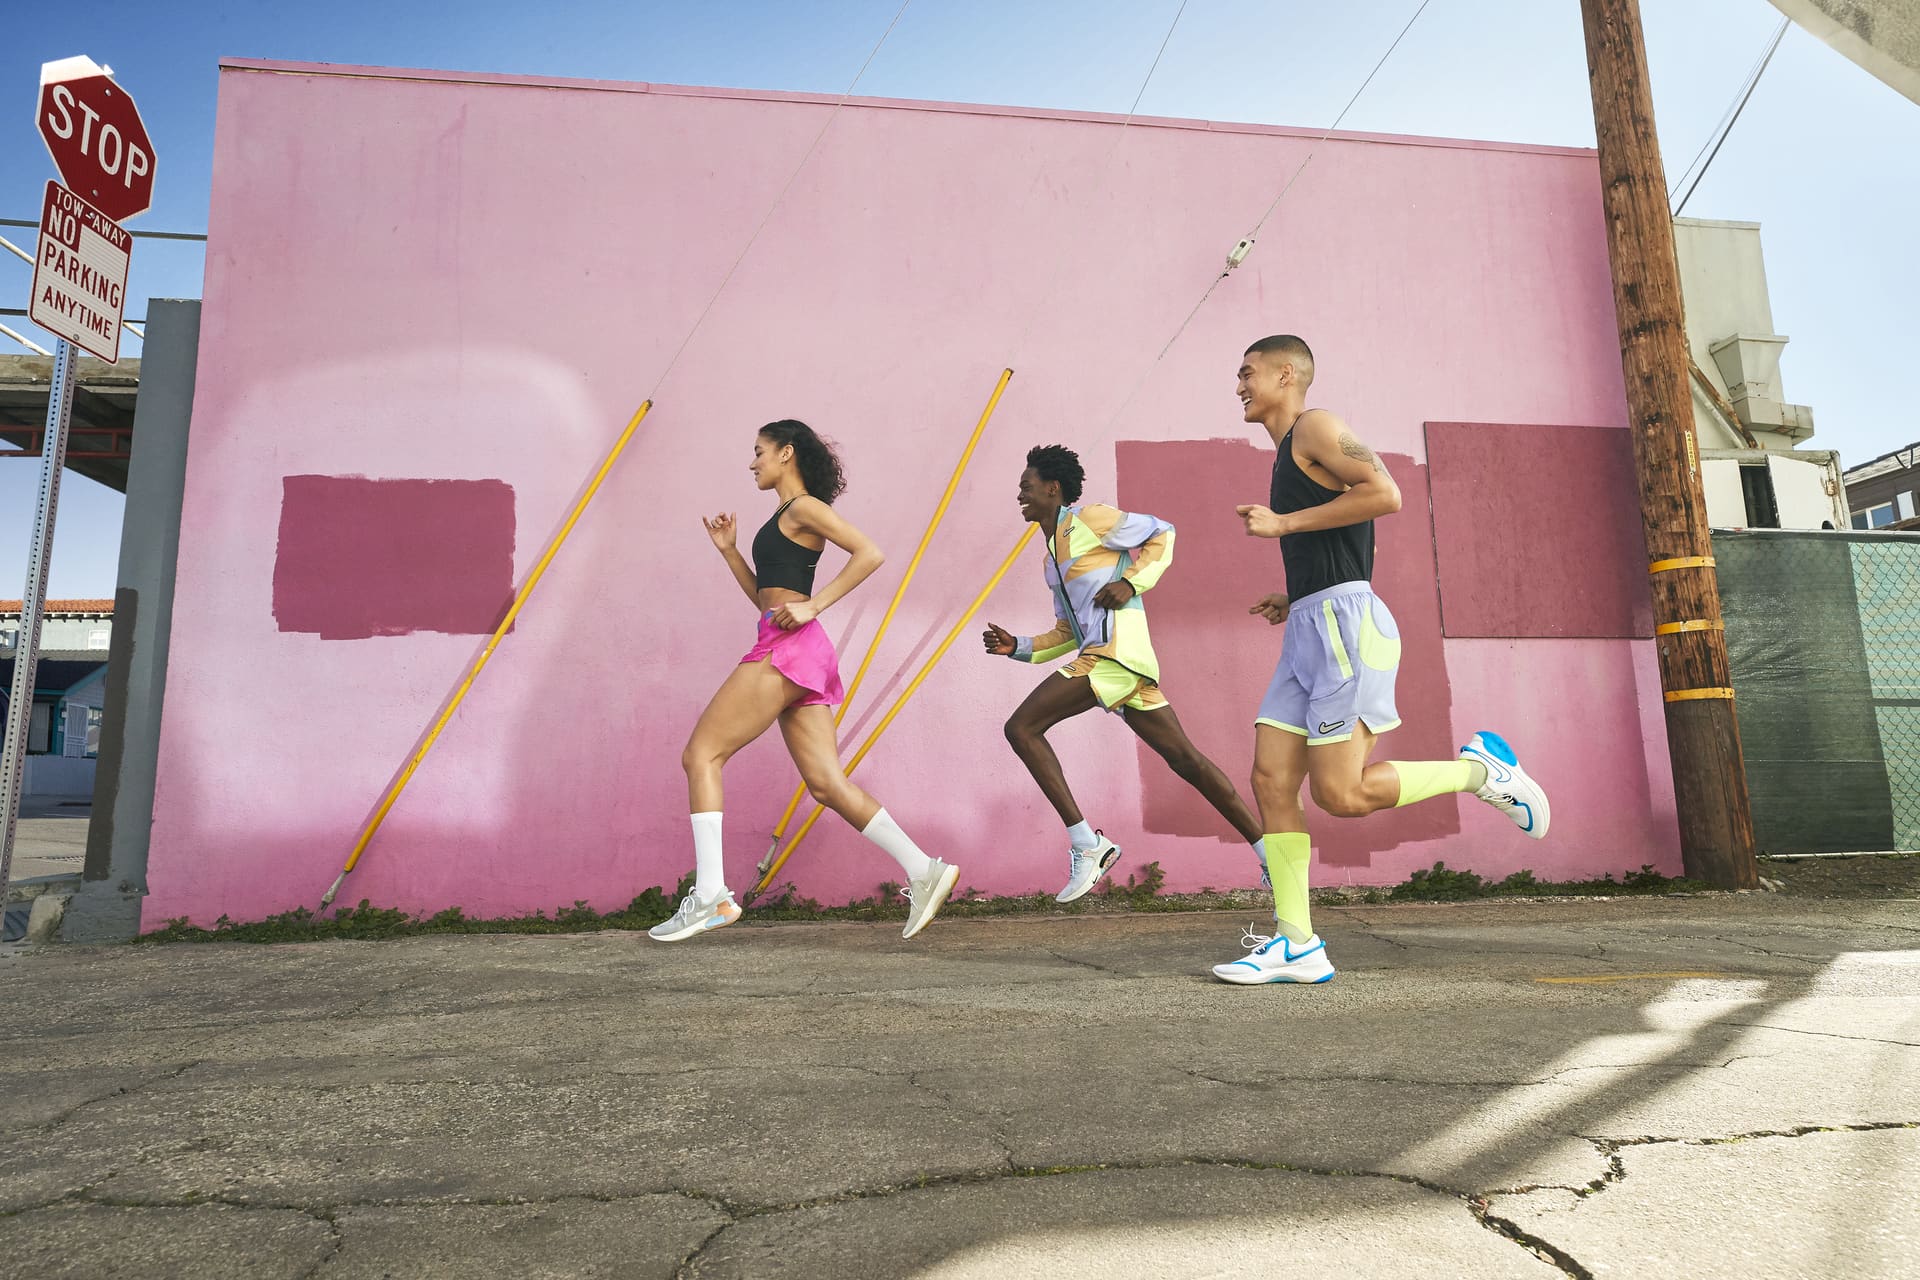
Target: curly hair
819,463
1057,462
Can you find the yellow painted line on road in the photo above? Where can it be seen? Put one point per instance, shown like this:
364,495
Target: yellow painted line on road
1598,978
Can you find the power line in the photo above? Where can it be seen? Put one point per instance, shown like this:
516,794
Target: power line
774,207
1105,183
1718,138
1241,250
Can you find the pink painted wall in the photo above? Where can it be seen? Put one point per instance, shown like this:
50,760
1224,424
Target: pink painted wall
420,277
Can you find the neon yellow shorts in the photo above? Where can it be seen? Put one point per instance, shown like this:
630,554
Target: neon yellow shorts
1114,685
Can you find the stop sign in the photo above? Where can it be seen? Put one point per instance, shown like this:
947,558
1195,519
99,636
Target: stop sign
95,135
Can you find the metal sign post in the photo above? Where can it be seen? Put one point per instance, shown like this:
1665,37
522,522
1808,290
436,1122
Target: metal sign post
97,140
13,755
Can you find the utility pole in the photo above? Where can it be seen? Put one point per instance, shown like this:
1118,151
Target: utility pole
1703,733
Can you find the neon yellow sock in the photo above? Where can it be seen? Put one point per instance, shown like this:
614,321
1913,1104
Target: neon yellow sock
1425,779
1287,854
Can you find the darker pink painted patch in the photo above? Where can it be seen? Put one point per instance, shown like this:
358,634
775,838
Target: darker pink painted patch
1539,531
1215,660
360,557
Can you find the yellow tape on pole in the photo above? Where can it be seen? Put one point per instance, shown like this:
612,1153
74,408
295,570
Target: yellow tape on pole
1681,562
926,669
913,566
1696,695
519,599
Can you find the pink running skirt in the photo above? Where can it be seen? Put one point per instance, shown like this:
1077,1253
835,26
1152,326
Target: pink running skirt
805,657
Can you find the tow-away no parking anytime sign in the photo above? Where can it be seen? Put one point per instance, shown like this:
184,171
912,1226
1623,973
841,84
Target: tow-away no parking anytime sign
80,274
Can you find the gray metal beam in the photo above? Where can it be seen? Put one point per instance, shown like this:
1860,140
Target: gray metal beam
107,906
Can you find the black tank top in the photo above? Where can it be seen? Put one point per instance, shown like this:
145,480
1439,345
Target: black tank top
1324,557
779,561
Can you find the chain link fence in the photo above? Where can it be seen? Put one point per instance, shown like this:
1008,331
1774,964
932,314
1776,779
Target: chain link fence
1823,635
1886,575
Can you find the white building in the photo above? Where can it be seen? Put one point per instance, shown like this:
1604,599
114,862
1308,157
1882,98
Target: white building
1755,471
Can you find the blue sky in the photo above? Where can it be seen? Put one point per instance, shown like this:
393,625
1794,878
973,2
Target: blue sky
1822,157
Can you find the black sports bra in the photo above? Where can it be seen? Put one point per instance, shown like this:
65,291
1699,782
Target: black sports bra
779,561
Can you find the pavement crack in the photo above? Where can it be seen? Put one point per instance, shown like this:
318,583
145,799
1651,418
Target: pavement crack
1545,1250
1829,1035
124,1091
1610,1149
686,1265
1317,1077
1815,961
974,1177
1088,964
336,1241
1198,1074
1377,936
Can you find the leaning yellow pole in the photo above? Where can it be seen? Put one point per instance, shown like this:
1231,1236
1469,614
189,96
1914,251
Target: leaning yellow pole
886,620
926,669
460,694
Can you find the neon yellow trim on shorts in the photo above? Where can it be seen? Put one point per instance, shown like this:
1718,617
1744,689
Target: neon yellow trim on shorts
1377,650
1339,645
1116,686
1276,724
1327,742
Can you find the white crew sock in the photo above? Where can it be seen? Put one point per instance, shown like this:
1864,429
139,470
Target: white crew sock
1081,836
709,869
886,833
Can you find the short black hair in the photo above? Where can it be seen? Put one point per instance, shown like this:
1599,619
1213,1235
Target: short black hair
1058,463
1285,344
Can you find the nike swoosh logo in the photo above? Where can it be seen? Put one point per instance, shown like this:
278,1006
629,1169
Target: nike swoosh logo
1495,769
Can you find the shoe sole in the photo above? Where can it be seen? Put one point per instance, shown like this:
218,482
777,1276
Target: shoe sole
940,893
1266,980
705,926
1106,865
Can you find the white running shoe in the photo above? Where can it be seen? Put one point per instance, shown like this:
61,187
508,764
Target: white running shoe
696,915
1508,788
927,894
1086,866
1277,960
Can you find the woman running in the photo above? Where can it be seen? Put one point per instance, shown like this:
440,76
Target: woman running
791,675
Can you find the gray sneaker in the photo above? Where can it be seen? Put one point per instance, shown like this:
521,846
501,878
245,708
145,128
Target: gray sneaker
696,915
927,894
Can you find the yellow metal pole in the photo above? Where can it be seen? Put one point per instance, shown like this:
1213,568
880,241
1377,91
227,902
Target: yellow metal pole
519,599
926,669
886,620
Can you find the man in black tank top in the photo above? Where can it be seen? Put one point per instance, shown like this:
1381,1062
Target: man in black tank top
1332,692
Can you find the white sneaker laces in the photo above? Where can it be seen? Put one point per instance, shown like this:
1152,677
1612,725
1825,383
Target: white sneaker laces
1253,941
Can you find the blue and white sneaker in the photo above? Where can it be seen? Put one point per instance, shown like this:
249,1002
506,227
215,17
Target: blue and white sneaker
1508,788
696,915
1086,866
1277,960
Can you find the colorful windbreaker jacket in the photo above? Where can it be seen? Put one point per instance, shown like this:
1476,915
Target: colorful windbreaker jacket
1092,546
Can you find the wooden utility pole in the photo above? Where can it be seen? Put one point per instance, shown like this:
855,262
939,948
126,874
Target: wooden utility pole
1703,733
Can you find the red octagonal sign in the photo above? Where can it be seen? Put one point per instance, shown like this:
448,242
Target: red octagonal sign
94,133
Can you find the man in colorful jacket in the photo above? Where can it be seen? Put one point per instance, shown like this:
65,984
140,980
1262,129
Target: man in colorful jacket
1099,562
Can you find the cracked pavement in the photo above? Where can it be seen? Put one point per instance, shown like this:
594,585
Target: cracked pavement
1710,1086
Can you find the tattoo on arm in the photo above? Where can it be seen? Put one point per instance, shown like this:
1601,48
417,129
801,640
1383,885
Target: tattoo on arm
1358,452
